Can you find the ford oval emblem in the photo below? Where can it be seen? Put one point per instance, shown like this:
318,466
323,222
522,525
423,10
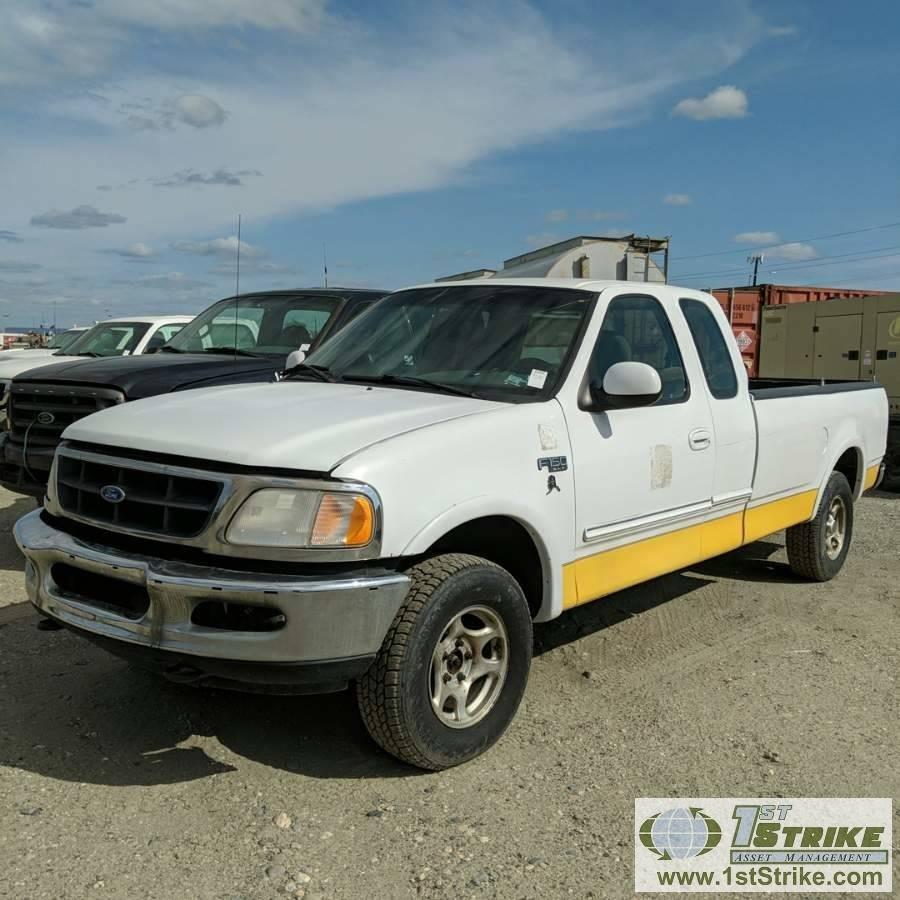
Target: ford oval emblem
45,418
112,493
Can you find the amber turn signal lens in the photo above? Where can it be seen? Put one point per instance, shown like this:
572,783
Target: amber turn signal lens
343,520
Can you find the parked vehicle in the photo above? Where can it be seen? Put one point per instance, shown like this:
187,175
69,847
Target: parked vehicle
846,338
113,337
235,340
59,341
461,461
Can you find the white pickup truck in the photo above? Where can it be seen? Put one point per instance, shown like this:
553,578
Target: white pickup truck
464,459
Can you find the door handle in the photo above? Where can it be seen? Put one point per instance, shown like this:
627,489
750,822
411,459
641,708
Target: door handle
699,439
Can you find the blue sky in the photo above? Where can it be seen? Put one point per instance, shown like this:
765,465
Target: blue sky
415,140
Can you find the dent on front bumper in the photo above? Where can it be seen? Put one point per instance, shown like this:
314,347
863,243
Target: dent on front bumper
327,622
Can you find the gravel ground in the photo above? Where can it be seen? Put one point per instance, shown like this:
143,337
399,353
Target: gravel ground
731,679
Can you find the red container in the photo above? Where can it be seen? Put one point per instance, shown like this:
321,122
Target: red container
742,305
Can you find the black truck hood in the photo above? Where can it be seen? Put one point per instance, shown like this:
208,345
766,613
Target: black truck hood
156,373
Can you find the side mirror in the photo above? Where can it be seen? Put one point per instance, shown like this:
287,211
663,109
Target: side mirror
295,358
626,385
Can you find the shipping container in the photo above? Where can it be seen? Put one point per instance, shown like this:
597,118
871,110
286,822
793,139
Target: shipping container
854,338
742,306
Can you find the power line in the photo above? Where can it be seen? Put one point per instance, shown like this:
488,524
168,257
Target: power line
861,255
821,237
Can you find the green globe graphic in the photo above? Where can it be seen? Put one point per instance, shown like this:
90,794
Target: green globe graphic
681,833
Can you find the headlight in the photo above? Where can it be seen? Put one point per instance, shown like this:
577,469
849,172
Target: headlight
287,517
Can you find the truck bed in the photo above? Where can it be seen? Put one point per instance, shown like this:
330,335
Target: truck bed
770,388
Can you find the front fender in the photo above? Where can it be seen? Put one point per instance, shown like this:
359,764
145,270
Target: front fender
480,507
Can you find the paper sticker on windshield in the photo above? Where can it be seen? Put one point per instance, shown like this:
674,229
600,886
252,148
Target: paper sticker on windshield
537,378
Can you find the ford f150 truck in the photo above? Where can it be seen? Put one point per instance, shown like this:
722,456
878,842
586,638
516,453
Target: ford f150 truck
244,339
462,460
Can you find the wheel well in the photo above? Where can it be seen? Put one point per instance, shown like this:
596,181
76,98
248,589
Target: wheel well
849,466
503,541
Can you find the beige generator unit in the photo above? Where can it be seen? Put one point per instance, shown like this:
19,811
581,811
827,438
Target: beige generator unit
839,339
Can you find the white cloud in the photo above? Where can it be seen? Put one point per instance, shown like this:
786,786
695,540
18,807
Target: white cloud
557,215
40,43
223,247
137,250
677,200
11,237
198,111
78,218
757,237
792,251
782,30
725,102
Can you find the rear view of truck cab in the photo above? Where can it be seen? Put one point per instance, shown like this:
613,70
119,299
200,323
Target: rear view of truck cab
462,460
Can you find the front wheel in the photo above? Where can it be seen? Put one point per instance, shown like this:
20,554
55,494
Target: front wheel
453,667
817,549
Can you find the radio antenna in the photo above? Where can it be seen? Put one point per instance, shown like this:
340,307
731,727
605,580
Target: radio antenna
325,263
237,286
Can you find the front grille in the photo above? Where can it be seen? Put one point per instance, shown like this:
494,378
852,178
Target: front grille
151,501
44,411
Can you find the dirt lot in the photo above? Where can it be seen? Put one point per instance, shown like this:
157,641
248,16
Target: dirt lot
731,679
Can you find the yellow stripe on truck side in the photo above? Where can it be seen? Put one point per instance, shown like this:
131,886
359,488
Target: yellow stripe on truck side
612,570
871,477
771,517
605,573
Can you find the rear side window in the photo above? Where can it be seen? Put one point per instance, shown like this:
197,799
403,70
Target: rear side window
711,348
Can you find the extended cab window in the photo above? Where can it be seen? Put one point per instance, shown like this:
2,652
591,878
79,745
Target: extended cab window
711,348
637,329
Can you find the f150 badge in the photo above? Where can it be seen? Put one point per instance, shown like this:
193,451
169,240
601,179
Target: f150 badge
553,463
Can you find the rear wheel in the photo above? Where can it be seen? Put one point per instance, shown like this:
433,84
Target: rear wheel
817,549
453,667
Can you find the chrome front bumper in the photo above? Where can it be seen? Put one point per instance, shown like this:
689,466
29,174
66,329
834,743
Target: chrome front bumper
326,619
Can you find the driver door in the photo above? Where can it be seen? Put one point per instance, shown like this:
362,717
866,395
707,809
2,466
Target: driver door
643,472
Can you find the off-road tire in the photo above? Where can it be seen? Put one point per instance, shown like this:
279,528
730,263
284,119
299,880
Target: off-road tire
806,543
393,696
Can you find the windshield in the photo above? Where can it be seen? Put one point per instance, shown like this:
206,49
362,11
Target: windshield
502,342
108,339
63,340
264,325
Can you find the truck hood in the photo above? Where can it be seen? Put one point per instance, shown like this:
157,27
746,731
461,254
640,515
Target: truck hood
12,362
155,373
296,425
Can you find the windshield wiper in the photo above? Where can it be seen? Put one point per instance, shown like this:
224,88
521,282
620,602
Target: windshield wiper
323,373
89,353
414,381
167,349
231,351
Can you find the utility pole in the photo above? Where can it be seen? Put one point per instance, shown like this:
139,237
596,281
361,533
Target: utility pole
756,259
